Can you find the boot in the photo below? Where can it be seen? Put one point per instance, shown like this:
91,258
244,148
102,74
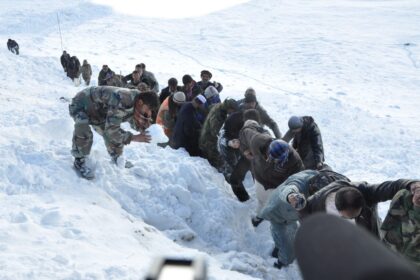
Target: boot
240,192
84,171
256,221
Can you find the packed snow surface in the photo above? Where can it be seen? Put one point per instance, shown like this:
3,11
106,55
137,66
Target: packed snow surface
352,65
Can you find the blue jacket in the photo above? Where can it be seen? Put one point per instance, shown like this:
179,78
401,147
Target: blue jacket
277,209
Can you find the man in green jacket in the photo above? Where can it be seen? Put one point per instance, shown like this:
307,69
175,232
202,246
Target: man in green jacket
212,125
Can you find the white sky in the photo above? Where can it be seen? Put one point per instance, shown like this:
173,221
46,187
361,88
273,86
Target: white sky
168,8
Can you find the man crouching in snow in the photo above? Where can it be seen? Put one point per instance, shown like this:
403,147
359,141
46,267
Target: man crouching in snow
105,108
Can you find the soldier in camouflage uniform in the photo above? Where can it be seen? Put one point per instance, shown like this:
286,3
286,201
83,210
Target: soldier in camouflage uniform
212,125
105,108
402,224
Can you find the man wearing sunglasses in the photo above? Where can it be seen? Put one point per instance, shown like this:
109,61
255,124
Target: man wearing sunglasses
105,108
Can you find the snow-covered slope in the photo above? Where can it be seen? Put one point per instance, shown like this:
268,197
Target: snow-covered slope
346,63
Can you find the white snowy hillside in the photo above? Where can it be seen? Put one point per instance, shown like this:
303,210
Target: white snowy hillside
352,65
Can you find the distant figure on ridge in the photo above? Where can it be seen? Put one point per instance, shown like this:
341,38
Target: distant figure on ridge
86,72
65,60
13,46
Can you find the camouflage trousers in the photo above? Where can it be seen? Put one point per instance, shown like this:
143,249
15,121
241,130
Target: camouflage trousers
83,136
83,140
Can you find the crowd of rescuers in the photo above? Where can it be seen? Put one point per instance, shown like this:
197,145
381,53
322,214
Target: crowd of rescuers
291,177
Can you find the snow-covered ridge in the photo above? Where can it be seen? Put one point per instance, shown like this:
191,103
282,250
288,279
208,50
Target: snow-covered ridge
344,63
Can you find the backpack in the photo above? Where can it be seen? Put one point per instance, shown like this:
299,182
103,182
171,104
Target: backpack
324,178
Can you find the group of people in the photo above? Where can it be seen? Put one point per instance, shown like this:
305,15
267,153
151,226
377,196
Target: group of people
291,177
71,65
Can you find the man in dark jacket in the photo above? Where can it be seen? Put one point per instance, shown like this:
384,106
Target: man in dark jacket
74,70
284,203
205,81
355,200
250,102
272,160
145,77
307,141
13,46
214,121
190,88
65,60
188,125
170,89
135,81
105,74
236,165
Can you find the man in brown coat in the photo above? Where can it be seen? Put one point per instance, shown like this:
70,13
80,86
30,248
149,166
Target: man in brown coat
272,161
86,72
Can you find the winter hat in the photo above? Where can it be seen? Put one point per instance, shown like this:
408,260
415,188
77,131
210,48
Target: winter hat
179,97
295,122
210,92
278,151
200,98
230,104
206,72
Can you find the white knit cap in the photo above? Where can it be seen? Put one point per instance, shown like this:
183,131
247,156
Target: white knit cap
210,92
201,98
179,97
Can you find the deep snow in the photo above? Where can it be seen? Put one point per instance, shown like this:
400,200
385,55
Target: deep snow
346,63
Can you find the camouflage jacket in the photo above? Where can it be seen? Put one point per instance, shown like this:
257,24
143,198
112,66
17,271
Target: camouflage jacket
108,107
212,125
402,226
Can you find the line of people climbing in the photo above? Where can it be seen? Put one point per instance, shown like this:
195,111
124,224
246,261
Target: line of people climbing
291,177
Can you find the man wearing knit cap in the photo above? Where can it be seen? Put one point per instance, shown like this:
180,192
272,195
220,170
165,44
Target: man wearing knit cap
188,125
168,110
212,96
250,102
205,81
272,161
307,141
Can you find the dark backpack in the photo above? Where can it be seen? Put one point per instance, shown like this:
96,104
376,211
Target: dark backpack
324,178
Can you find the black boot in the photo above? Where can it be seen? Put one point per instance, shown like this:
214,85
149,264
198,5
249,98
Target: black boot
84,171
240,192
275,252
256,221
279,265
